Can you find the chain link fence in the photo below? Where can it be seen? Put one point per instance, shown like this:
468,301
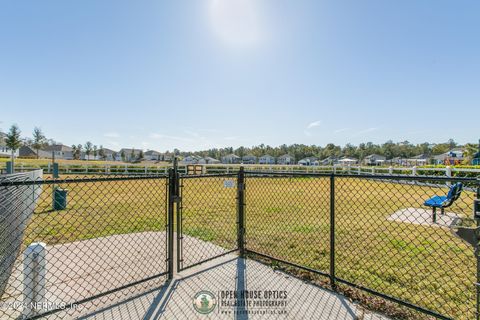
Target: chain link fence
88,241
370,233
386,240
93,241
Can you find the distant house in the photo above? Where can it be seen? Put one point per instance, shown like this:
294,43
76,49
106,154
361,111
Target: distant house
7,152
249,159
308,161
286,159
60,151
231,158
208,160
476,156
347,161
451,157
266,159
374,160
90,156
192,159
29,152
129,154
330,161
152,155
418,160
108,154
397,161
167,157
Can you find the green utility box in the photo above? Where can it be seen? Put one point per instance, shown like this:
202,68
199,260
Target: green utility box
59,198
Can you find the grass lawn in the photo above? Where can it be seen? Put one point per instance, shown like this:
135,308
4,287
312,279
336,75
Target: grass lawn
97,209
289,218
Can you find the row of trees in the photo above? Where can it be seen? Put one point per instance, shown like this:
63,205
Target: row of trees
38,141
89,149
388,149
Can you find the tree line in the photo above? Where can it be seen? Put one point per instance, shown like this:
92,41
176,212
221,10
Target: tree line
389,149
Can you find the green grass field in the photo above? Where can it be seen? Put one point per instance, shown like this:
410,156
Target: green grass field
288,218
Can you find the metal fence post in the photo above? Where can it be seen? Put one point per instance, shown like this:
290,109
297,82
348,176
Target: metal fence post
178,200
10,168
332,231
241,211
171,207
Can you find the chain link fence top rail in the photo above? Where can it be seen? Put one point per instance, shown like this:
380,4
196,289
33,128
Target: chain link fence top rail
94,240
207,218
384,237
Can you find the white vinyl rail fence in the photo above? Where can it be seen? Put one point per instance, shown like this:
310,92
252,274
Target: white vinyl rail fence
230,168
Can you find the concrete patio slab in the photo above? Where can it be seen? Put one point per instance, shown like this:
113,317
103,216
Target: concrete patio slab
223,276
420,216
85,268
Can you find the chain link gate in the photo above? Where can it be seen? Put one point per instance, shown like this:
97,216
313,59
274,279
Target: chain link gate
206,218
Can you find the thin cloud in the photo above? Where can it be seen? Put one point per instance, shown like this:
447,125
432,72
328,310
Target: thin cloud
197,137
310,126
314,124
168,137
193,134
111,135
417,132
341,130
365,131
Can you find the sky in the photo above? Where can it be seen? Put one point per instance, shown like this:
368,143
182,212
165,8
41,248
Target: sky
196,74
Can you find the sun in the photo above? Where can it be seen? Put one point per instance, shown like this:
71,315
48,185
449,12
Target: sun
237,23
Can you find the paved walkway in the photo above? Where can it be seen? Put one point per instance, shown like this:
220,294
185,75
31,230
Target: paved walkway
84,268
301,300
